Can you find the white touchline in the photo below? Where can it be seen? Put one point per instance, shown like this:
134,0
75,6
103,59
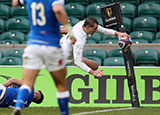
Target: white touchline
100,111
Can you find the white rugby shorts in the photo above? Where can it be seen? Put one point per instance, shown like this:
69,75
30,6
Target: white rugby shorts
37,56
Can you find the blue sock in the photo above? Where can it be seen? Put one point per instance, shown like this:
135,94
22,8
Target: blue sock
63,99
23,94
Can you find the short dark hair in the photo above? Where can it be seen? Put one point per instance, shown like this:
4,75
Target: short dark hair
90,21
41,98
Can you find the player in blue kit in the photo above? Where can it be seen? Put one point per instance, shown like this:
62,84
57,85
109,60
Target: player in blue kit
44,49
9,92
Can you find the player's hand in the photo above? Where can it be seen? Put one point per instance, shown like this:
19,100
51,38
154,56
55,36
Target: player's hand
121,35
15,3
8,83
97,73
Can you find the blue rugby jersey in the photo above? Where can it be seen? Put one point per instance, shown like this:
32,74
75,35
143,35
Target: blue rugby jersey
11,97
44,26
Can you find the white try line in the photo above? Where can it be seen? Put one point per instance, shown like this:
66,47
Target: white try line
101,111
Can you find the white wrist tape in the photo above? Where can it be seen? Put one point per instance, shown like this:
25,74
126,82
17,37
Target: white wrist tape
68,27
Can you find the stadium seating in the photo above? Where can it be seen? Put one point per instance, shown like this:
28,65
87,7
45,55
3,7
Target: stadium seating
102,1
73,20
110,41
94,9
4,11
20,11
14,53
104,37
100,53
18,24
142,35
141,20
129,1
146,23
24,42
159,25
128,10
99,19
26,37
146,56
158,35
75,10
8,2
1,54
127,22
2,25
150,9
0,61
11,61
96,37
139,41
90,41
113,61
8,42
156,1
13,35
156,41
98,60
84,2
115,53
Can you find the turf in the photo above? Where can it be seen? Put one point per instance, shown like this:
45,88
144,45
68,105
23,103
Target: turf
76,110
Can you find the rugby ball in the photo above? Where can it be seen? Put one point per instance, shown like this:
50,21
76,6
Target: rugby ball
125,42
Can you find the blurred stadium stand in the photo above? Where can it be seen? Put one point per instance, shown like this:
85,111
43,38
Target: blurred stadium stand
140,17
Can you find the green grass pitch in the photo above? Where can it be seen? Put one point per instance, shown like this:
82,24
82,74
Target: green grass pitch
85,111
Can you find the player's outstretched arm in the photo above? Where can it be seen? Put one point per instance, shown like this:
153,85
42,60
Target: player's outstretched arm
111,32
106,31
85,64
90,63
89,67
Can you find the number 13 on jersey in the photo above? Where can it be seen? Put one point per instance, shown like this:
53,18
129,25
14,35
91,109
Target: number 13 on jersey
41,19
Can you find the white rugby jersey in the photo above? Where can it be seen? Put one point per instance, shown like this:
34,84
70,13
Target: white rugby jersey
73,53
